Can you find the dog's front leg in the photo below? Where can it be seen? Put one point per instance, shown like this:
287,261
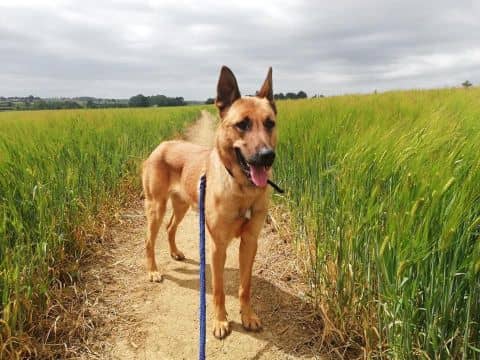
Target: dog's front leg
247,252
221,327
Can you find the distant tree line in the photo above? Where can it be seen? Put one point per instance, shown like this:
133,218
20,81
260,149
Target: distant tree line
36,103
155,100
29,98
281,96
290,95
39,105
52,105
103,104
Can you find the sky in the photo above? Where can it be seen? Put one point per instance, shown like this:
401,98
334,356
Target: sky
176,48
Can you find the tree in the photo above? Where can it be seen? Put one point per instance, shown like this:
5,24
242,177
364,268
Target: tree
67,105
138,101
210,101
301,95
157,100
466,84
162,100
179,101
39,105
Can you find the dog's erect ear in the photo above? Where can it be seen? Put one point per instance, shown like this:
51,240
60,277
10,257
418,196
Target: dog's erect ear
227,90
266,90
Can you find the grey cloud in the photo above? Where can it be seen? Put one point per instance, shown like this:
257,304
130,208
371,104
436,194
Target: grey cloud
176,48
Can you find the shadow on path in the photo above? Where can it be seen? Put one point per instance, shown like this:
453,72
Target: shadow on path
288,322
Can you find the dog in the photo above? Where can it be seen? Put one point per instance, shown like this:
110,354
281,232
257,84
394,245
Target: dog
237,170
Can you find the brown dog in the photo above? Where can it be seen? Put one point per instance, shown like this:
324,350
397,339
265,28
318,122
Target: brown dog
237,170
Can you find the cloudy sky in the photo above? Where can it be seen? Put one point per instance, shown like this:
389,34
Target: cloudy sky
176,48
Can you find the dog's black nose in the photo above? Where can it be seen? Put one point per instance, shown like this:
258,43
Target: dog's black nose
264,157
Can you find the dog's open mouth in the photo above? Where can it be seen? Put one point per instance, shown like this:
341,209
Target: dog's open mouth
257,174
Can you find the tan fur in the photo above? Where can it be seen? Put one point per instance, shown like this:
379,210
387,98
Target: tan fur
173,171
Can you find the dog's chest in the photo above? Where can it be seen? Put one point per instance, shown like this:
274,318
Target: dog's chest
242,218
245,213
237,208
244,209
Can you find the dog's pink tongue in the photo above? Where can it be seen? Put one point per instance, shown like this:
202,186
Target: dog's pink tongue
259,175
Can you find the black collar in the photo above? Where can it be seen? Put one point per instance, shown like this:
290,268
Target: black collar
270,182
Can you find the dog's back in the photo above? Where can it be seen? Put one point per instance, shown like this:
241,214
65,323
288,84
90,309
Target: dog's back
174,167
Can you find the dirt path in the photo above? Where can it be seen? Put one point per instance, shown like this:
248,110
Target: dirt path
144,320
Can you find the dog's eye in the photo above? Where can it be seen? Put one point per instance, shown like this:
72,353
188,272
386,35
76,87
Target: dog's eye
243,125
269,124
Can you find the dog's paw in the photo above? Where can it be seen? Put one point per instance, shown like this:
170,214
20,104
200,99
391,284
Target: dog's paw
177,255
155,276
251,321
221,329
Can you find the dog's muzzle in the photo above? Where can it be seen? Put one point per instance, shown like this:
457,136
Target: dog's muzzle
264,157
256,167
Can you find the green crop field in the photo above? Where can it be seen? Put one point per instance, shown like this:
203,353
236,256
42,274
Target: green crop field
59,169
384,192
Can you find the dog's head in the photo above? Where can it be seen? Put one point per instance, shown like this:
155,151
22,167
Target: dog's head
247,135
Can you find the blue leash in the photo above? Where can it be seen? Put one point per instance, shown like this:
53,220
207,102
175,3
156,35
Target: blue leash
201,206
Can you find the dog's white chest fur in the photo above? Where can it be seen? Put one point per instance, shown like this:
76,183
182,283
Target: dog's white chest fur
245,213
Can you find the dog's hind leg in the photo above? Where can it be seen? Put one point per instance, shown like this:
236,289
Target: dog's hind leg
180,208
155,210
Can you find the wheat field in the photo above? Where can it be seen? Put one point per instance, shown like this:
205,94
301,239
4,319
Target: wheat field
384,193
62,172
383,196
